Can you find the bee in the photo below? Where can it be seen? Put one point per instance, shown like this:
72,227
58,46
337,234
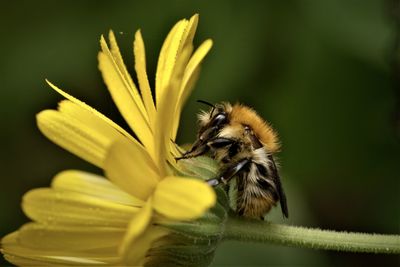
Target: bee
243,144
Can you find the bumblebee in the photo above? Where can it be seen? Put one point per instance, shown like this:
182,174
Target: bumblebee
243,144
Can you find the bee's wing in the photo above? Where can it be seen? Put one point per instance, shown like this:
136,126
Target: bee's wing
281,193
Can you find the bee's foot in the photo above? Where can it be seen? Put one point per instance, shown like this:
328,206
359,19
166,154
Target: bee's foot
213,182
179,158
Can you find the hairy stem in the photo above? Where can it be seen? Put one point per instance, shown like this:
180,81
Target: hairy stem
266,232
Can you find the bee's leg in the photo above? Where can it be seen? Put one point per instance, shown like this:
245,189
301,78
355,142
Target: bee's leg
200,146
198,149
229,173
220,142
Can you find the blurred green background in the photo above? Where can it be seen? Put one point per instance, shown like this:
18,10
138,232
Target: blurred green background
324,73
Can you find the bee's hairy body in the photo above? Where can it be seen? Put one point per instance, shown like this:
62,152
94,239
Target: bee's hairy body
243,144
255,188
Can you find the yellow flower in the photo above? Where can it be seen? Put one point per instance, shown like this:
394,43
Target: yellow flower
85,219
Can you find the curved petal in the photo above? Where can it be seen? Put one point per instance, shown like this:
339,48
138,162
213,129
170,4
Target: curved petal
135,255
123,96
61,207
188,36
70,238
96,116
167,59
164,122
144,86
173,60
131,169
174,56
138,224
189,78
74,111
183,198
140,236
74,136
23,256
120,66
93,185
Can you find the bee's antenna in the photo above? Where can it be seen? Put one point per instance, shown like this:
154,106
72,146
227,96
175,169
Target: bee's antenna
208,104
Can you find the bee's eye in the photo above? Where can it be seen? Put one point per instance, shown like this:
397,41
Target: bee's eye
219,119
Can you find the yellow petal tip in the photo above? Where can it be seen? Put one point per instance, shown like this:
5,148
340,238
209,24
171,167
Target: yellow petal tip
183,198
195,17
111,35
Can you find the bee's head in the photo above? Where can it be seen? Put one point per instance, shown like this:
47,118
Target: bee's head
212,121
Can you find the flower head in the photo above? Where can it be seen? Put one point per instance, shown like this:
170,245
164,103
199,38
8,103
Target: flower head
88,220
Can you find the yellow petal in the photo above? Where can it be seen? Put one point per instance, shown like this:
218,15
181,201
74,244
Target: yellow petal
49,260
174,150
161,60
120,65
69,208
144,86
97,117
136,253
70,238
23,256
164,121
74,111
74,136
185,50
173,59
138,224
93,185
189,78
190,31
192,66
124,97
24,261
43,259
183,198
167,60
131,169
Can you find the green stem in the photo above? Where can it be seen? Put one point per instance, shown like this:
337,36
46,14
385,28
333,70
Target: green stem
266,232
